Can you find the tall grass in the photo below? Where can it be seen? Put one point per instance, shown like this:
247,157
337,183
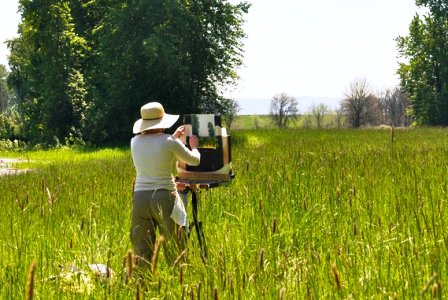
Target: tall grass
311,214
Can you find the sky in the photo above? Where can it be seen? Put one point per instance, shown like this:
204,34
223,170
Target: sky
309,49
314,49
9,20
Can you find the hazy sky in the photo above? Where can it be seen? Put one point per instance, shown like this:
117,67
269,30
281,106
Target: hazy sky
312,48
9,19
316,48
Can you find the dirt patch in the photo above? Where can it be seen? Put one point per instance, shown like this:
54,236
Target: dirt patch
7,169
11,171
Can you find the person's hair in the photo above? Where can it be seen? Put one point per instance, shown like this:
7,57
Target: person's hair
152,131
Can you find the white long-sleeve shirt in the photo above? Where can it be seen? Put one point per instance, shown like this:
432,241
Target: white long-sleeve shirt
154,158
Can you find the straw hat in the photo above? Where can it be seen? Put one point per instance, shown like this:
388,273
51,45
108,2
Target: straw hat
153,117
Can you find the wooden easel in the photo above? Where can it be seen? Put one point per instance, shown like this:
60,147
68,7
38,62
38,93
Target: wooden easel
194,187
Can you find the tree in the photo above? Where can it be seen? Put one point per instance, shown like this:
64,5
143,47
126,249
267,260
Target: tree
283,110
10,121
360,105
395,104
231,110
46,70
319,112
78,64
4,90
339,117
176,52
424,74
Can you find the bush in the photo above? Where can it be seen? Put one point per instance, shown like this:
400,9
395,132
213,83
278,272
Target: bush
10,125
9,145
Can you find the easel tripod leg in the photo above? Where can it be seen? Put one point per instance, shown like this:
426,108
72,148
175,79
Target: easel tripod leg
198,227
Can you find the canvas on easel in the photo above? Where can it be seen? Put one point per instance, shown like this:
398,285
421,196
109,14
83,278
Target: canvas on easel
214,146
203,126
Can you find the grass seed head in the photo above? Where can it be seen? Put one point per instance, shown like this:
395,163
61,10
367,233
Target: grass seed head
436,289
337,276
274,226
281,295
30,281
129,265
215,293
180,257
81,226
138,290
429,283
155,256
261,263
198,288
51,198
181,275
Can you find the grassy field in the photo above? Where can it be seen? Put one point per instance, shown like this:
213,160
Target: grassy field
348,214
248,122
252,122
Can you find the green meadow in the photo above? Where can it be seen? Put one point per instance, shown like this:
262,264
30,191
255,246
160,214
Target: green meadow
311,214
265,122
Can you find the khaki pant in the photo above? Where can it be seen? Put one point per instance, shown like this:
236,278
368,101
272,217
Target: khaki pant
151,210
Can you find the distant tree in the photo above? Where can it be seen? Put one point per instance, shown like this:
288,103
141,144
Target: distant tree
339,118
231,108
306,121
424,72
319,112
374,111
395,104
283,110
360,105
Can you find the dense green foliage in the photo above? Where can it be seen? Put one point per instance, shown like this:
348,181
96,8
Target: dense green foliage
5,94
84,68
424,75
311,215
10,122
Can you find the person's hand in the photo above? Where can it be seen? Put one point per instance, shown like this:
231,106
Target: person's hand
179,132
194,142
180,186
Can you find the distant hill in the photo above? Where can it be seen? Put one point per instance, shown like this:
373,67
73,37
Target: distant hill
261,106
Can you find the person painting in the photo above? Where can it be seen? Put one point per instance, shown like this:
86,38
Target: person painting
156,203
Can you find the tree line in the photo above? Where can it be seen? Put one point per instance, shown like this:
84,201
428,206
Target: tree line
81,69
360,107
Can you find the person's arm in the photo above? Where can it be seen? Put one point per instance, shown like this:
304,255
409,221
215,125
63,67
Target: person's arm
191,157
